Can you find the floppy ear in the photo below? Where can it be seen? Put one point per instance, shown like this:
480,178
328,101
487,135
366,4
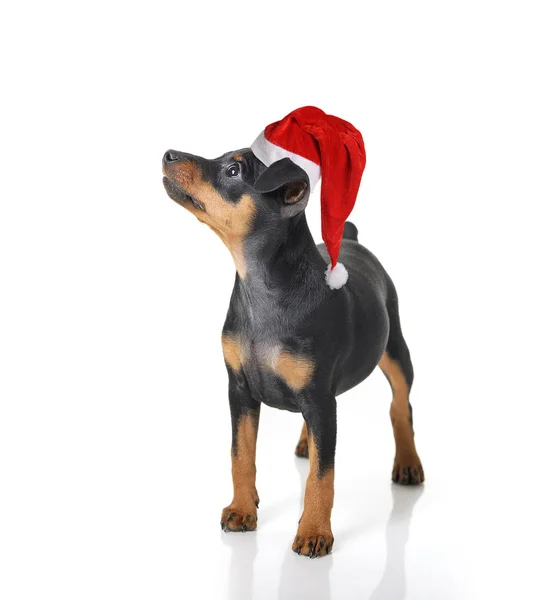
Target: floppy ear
286,176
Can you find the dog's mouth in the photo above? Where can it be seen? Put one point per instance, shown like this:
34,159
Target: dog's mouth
176,193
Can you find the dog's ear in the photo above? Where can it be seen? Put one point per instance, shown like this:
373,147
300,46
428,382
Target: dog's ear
286,177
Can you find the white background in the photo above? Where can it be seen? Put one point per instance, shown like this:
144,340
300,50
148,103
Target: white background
114,425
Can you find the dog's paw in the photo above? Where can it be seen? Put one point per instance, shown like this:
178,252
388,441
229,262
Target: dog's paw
301,449
313,545
234,518
408,472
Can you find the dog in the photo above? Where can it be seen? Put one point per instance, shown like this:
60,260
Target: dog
289,341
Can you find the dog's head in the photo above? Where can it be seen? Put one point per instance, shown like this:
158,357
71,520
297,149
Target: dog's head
236,195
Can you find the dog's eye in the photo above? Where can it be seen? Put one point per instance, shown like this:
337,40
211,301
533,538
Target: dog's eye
233,170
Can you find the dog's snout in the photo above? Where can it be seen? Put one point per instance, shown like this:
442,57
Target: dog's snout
171,156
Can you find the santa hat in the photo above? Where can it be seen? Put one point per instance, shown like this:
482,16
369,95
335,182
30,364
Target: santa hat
325,147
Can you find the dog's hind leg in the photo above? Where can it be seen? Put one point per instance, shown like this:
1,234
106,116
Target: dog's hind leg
397,366
301,449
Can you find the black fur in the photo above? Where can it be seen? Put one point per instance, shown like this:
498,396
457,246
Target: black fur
284,302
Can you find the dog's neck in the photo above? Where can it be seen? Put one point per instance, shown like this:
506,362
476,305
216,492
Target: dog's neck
283,270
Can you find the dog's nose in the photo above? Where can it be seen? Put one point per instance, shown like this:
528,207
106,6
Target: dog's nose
171,156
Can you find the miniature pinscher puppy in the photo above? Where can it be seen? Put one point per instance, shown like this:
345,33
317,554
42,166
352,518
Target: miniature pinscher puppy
290,341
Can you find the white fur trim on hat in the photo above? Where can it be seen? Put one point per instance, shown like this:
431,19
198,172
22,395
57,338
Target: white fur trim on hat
337,277
269,153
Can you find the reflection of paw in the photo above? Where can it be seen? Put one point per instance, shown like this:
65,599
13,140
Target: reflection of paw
234,518
301,449
313,545
408,472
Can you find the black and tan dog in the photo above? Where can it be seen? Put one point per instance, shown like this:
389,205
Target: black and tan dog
289,341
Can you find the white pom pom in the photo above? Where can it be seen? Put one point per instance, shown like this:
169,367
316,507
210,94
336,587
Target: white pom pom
337,277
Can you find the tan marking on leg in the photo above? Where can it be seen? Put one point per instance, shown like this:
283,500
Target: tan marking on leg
230,220
314,536
295,370
400,390
302,445
240,515
232,352
407,465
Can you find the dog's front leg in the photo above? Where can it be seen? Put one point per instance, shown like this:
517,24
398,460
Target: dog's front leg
240,515
314,536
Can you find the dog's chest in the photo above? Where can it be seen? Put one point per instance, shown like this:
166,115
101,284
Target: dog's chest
274,372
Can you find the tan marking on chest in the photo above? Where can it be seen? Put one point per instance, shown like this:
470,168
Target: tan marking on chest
232,351
294,369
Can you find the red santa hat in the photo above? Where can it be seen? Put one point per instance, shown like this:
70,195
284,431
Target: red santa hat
325,147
